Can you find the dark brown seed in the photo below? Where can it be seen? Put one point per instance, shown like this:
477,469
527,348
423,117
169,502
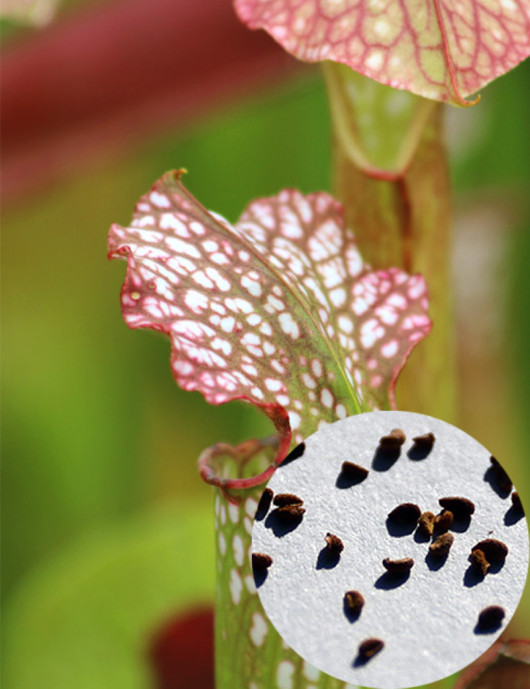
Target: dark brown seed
261,562
426,524
354,601
460,507
291,513
398,566
354,472
334,544
516,502
393,441
442,545
501,477
443,521
407,513
424,442
494,550
491,617
370,647
264,503
479,562
283,499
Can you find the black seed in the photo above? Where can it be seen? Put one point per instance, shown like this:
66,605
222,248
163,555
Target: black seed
494,550
264,503
407,513
283,499
442,545
426,524
398,566
479,561
393,441
334,544
354,601
261,562
460,507
491,617
424,442
370,647
354,472
290,513
295,453
443,521
516,502
501,477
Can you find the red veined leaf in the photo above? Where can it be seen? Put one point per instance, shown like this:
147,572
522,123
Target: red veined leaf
439,49
278,310
505,664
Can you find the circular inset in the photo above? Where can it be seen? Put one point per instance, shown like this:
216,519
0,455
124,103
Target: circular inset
370,578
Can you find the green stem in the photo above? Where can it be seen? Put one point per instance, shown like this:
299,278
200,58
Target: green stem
390,171
249,653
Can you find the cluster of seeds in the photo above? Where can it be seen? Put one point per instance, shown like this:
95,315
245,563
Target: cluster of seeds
429,526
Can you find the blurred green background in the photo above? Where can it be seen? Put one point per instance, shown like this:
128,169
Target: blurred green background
100,493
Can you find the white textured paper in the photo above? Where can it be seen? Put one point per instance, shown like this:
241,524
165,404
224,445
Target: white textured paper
428,622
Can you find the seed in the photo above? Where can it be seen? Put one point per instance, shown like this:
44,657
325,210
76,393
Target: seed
501,477
261,562
491,617
370,647
295,453
354,601
479,562
354,472
424,442
460,507
334,544
407,513
426,524
393,441
283,499
290,513
264,503
443,521
442,545
494,550
398,566
516,502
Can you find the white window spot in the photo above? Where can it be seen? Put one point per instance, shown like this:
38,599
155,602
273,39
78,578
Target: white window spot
295,420
338,297
244,256
345,324
389,349
254,319
316,367
250,339
284,675
222,544
210,246
170,222
238,550
219,258
251,370
308,381
311,672
371,331
326,398
181,247
288,325
197,227
340,411
273,385
159,199
284,400
256,392
375,60
258,631
236,586
252,286
416,287
266,329
223,345
227,324
220,282
233,512
195,301
251,506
